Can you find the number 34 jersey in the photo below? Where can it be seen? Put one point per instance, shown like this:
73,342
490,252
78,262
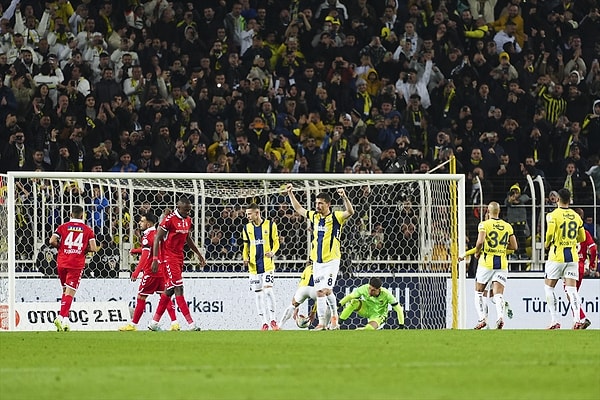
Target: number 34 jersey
497,235
564,230
74,237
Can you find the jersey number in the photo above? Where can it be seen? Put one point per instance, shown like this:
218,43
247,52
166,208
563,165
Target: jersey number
74,240
493,239
569,229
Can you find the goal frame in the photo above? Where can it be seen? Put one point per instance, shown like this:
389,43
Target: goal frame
457,215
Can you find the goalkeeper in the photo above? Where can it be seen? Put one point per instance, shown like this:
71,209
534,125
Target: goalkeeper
371,301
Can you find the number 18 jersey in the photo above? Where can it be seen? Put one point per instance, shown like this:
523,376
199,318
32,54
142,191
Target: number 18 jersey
564,231
497,236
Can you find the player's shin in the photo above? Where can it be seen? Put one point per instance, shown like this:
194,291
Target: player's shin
160,309
185,310
259,297
65,305
322,310
551,302
332,302
270,303
480,306
171,311
500,305
287,314
575,301
140,305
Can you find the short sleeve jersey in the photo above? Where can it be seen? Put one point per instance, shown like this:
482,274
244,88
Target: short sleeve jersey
326,236
565,230
497,236
74,238
178,230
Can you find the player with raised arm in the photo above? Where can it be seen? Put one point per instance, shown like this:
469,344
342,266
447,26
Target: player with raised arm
586,249
564,231
371,301
151,282
496,236
72,239
261,242
306,290
325,250
172,235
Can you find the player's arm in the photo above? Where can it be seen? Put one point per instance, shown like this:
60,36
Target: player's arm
275,239
399,312
160,234
92,245
144,258
348,297
480,242
581,234
551,227
512,244
297,206
593,249
137,250
190,242
245,248
349,209
469,252
54,240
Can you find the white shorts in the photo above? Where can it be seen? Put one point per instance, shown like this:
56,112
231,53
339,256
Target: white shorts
325,274
485,276
259,281
304,293
558,270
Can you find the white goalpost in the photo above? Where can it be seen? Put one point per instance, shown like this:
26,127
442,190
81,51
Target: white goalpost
408,229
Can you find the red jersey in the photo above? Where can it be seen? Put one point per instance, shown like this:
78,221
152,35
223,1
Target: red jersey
177,229
145,263
74,237
588,245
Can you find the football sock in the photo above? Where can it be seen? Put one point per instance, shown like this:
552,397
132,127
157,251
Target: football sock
163,303
551,302
140,305
171,311
332,302
287,314
270,297
479,306
322,309
185,310
575,301
352,306
581,314
499,299
259,296
369,327
65,306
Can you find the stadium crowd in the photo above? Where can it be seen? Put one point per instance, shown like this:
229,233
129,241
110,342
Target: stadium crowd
510,88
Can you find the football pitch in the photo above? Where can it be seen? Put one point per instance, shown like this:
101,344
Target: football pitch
400,364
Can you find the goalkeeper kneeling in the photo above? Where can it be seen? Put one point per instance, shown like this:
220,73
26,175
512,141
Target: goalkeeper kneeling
371,301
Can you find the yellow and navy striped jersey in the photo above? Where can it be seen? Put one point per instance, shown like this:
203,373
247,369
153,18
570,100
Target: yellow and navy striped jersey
565,230
258,240
326,236
497,237
306,279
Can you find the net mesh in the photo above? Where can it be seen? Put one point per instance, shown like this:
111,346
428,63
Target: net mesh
402,228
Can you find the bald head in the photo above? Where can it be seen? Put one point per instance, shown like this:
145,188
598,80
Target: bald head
494,209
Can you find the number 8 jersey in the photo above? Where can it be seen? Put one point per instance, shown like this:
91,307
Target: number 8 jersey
74,237
497,237
564,231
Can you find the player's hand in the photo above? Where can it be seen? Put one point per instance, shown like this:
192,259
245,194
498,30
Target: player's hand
154,266
202,260
289,188
133,277
341,192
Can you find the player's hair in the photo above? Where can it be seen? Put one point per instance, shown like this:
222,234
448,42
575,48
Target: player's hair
253,206
564,195
325,197
77,211
494,207
184,200
151,218
375,282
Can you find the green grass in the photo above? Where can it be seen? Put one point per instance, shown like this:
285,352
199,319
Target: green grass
407,364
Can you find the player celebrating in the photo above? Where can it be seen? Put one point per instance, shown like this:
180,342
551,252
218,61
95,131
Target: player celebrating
495,237
325,250
306,290
173,234
73,239
151,282
564,232
588,246
261,242
371,301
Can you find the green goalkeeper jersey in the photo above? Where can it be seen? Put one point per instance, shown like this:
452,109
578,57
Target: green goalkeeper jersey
376,305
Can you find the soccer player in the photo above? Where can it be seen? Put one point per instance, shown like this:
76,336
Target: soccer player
588,246
151,282
371,301
261,242
172,235
73,239
564,232
496,236
306,290
325,251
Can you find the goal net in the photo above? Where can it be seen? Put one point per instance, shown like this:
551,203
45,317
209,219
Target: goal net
406,230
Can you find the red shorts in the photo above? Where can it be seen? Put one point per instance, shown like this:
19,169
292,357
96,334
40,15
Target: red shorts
172,271
151,284
70,277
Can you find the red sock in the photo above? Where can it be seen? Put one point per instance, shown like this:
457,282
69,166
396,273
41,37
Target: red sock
183,307
171,311
162,306
140,306
65,305
581,314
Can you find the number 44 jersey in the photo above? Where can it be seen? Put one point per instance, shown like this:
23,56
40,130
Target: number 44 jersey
74,237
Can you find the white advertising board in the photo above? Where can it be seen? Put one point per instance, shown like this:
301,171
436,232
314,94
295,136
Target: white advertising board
528,302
